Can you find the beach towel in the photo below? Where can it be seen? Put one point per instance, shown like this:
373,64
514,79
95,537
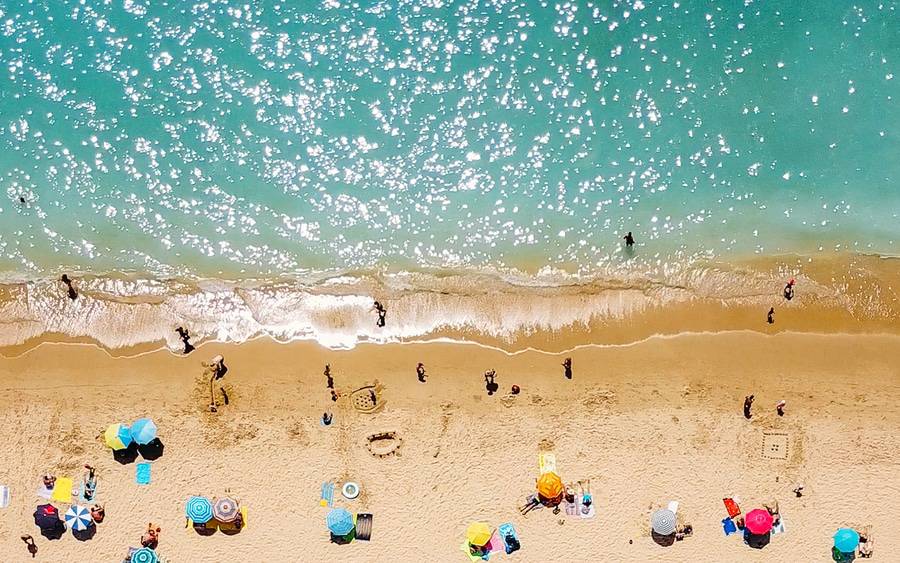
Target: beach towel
779,529
496,544
327,494
547,462
62,492
591,511
673,506
4,496
44,492
81,492
465,549
728,526
571,508
243,517
142,473
732,507
505,530
364,526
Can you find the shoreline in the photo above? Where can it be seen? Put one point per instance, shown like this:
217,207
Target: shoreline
648,422
843,293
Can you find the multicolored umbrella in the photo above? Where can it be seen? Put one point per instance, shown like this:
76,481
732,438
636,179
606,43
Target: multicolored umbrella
339,522
550,486
78,518
758,521
478,533
46,516
118,436
199,510
225,510
143,431
663,522
846,540
144,555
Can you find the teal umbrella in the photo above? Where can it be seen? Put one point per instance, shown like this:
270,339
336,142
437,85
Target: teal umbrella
199,510
846,540
144,555
339,521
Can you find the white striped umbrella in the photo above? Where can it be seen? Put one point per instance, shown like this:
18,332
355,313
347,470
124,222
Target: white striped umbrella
78,518
663,522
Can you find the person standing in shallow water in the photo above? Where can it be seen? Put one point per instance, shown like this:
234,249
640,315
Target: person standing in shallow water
770,318
382,313
73,295
629,240
185,339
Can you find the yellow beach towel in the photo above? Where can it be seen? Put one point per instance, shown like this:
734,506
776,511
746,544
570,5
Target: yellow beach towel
547,462
62,491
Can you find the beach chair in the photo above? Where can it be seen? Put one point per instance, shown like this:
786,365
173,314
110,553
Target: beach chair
364,526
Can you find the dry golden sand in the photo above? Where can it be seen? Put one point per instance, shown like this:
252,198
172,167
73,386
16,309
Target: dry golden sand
646,423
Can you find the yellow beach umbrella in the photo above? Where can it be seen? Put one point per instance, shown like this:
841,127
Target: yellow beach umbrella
117,436
478,533
550,486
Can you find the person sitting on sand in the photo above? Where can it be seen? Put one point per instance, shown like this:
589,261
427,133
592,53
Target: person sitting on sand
420,372
73,295
515,390
779,407
151,536
327,418
586,498
32,547
682,532
567,368
570,494
382,313
49,482
866,543
98,513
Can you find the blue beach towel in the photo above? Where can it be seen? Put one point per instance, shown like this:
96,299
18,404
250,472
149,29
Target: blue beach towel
728,526
142,474
81,492
327,494
507,529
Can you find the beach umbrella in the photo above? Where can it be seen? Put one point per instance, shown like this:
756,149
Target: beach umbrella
117,436
199,510
478,533
78,518
339,522
663,522
225,510
758,521
846,540
144,555
46,516
550,486
143,431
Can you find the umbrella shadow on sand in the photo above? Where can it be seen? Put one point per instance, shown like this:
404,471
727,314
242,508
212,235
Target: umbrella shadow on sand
86,534
758,541
204,530
127,455
663,540
152,450
55,532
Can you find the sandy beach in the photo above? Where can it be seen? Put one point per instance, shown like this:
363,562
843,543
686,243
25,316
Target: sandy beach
647,423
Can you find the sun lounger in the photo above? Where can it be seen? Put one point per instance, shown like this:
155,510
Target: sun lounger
142,474
505,530
4,496
547,462
62,491
363,526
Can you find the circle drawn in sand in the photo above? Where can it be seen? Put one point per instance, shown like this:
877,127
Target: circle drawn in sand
384,444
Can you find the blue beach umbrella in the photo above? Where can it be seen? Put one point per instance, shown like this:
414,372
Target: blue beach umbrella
339,521
143,431
199,510
144,555
78,518
846,540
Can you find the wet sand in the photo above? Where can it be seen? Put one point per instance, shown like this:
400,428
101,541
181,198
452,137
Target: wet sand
649,422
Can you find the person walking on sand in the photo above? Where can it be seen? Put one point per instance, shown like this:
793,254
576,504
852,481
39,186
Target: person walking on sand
748,403
779,407
567,368
489,382
73,295
420,372
32,547
382,313
330,379
770,317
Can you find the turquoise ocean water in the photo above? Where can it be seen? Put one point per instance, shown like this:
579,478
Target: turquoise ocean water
244,139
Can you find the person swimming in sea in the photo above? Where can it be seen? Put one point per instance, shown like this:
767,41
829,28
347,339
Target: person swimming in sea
73,295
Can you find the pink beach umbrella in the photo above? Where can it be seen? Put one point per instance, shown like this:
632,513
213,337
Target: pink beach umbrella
758,521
